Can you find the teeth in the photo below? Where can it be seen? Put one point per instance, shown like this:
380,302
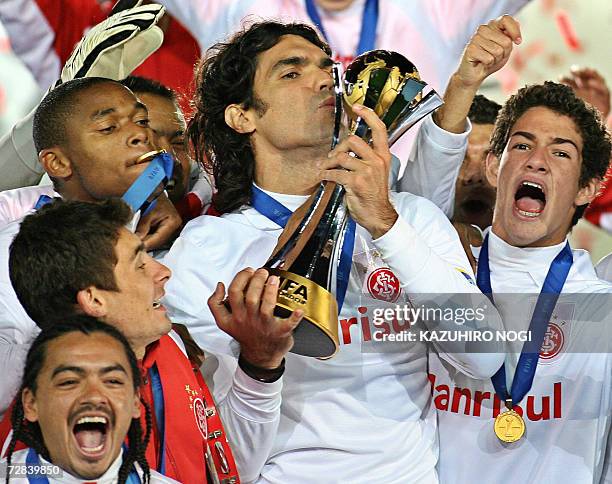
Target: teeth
83,420
93,449
156,304
529,214
531,184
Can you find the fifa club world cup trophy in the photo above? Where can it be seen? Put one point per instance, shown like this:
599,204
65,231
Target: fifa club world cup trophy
313,255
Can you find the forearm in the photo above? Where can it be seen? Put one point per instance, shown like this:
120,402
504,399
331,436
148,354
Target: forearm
457,101
251,413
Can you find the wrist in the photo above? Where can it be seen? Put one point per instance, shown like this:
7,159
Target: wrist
383,224
262,374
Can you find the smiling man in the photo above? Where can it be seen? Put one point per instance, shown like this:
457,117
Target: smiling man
549,153
79,399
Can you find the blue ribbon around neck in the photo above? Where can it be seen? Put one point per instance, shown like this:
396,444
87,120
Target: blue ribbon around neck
279,214
528,361
33,462
160,415
367,37
157,173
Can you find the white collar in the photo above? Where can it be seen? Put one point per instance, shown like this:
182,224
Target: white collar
108,477
532,260
292,202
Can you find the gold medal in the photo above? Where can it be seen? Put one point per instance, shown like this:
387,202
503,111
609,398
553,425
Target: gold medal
509,426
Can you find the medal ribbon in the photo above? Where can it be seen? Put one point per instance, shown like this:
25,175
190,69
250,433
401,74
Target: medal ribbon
528,361
160,417
157,173
33,461
279,214
367,37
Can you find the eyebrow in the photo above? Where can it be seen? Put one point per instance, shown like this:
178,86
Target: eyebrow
299,61
105,112
81,371
555,141
137,250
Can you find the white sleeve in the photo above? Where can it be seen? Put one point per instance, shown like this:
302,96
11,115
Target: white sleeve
434,164
606,476
31,39
18,158
429,260
208,21
250,414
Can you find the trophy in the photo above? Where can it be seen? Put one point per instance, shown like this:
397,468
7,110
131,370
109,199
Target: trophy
313,256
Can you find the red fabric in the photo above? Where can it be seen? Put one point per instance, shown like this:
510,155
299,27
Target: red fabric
189,207
602,204
185,444
172,64
5,431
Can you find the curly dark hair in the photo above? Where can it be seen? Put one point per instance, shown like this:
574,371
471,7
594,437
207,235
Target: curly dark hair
596,144
30,433
226,76
483,110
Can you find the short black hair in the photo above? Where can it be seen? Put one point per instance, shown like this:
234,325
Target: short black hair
63,248
30,432
55,109
483,110
226,76
596,143
149,86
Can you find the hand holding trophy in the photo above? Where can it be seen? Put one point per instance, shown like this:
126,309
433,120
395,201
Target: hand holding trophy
313,256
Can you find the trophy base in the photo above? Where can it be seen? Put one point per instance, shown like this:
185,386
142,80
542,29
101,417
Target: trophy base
316,334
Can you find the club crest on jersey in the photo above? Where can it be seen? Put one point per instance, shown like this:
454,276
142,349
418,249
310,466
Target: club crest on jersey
384,285
199,409
553,342
199,412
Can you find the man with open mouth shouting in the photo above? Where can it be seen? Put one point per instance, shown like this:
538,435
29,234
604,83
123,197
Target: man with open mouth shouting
549,153
79,399
73,257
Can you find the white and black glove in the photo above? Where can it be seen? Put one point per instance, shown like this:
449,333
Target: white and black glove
111,49
118,45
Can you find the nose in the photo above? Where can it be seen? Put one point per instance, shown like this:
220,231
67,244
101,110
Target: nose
325,81
472,171
140,136
93,393
537,161
161,273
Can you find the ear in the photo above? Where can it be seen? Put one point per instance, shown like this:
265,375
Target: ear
239,119
55,163
136,409
492,169
30,409
92,302
587,193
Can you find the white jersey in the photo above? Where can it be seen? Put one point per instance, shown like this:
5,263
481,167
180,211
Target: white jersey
249,411
604,268
16,203
568,409
364,415
55,475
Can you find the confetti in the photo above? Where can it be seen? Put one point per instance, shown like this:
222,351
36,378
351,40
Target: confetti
564,24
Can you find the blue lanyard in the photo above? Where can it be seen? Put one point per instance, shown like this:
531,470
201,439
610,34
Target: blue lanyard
159,171
160,417
528,361
367,37
279,214
42,201
33,462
